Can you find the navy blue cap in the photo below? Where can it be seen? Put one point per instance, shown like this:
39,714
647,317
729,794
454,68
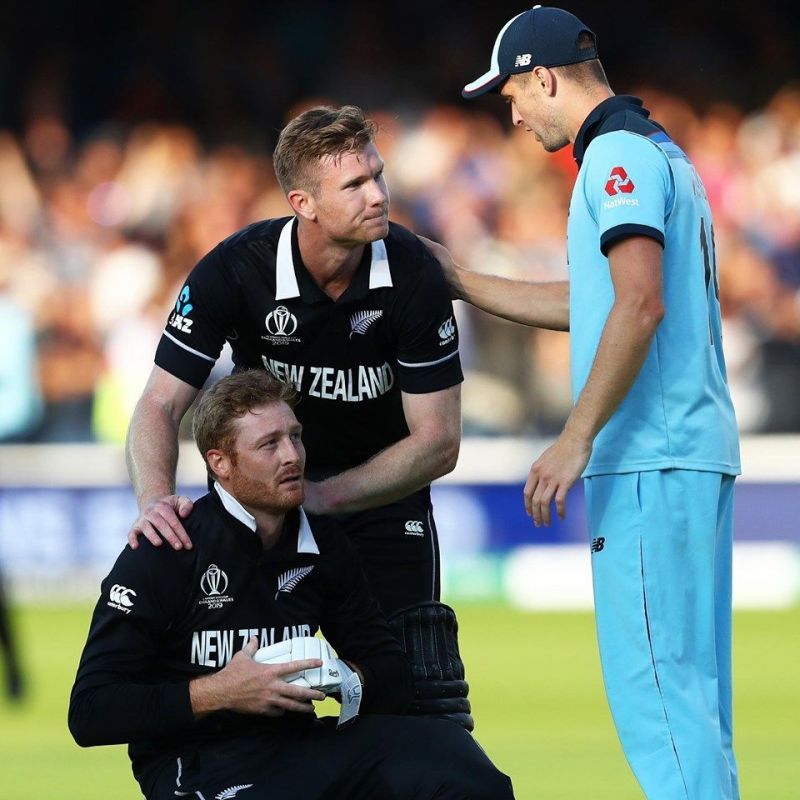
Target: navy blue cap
539,37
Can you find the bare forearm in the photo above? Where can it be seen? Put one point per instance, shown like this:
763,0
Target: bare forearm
205,696
541,305
152,452
395,472
623,349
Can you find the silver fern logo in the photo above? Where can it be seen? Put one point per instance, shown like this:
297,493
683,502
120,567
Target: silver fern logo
227,794
289,579
361,320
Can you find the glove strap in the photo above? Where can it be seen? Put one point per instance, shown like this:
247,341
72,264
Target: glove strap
351,694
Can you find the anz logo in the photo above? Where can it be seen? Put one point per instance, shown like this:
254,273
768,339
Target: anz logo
183,308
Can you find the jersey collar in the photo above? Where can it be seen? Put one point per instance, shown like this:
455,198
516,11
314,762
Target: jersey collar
286,284
306,543
608,116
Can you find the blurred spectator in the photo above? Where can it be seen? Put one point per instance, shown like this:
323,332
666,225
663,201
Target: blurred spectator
96,236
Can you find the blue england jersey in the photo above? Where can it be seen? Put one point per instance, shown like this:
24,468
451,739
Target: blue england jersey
634,180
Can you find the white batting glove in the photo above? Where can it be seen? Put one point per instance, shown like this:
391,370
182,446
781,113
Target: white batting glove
334,676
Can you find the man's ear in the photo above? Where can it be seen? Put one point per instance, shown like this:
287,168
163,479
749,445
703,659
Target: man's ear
302,203
219,463
544,80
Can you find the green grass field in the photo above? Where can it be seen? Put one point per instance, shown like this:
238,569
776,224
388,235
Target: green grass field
536,693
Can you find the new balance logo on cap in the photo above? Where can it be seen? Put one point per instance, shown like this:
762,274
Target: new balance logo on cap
597,544
415,528
523,60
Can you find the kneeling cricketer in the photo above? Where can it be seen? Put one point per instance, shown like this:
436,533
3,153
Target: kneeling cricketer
206,662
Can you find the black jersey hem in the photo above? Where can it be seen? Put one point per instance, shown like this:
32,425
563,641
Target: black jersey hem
182,364
620,232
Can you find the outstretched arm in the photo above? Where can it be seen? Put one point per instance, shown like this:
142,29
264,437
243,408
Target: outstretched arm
152,455
540,305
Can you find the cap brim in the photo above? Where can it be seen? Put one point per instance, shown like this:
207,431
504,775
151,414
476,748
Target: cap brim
486,83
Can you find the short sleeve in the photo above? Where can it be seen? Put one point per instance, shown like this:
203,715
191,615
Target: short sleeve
204,314
427,334
628,187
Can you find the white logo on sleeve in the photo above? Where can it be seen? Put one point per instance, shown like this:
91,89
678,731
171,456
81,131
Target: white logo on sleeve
447,331
523,60
120,598
289,579
414,527
227,794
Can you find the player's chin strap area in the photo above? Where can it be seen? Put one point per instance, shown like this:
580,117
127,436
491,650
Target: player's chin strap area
429,635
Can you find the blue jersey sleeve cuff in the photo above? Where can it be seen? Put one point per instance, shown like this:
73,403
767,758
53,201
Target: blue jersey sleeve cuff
620,232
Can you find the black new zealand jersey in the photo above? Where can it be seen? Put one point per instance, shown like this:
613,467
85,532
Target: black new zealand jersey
167,616
392,330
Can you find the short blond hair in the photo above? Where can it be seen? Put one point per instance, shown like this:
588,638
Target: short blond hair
213,423
318,132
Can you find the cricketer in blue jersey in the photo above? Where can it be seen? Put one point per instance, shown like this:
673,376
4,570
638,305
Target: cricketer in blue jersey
652,430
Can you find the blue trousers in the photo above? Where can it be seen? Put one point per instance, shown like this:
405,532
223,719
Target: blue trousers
661,567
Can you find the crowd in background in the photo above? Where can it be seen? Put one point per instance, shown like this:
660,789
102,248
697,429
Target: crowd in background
97,234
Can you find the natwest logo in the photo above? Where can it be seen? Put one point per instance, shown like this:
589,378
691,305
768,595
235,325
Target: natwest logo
619,181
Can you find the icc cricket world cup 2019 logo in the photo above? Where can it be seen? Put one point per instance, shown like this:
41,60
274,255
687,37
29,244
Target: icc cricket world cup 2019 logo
281,325
214,581
281,322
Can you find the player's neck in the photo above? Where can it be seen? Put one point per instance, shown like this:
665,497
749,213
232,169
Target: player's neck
586,103
269,526
331,264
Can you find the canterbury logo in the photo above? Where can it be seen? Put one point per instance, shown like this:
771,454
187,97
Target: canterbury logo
447,329
361,320
289,579
120,595
415,528
232,792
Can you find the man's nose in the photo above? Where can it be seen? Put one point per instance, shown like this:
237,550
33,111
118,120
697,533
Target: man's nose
378,194
515,116
290,451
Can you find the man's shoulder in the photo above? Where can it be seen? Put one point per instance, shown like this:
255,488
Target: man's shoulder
403,244
263,235
409,259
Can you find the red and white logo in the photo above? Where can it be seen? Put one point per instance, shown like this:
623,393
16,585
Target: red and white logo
619,181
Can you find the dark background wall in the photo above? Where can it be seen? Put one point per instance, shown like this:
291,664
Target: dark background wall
229,67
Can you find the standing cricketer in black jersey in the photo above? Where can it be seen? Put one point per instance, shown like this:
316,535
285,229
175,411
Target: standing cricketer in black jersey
355,314
169,664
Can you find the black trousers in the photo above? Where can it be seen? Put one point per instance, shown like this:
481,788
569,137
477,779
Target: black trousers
399,549
376,758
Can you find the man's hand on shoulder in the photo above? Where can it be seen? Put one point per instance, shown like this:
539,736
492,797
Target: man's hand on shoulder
160,521
449,267
248,687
